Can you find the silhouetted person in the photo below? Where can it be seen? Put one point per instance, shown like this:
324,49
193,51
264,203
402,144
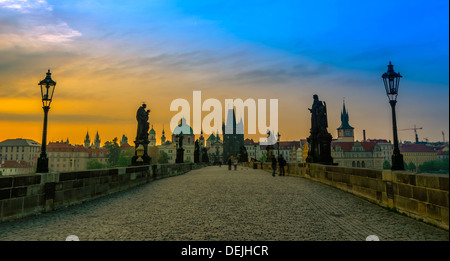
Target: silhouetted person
281,163
274,165
229,163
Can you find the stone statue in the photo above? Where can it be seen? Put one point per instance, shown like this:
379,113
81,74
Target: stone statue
320,140
319,120
142,117
196,152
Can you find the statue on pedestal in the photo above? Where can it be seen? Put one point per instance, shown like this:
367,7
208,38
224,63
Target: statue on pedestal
142,116
319,139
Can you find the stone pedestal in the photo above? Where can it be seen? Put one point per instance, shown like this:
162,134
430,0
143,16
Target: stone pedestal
146,159
320,149
180,155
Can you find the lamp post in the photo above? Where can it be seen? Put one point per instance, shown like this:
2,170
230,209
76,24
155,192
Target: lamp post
391,82
278,141
47,89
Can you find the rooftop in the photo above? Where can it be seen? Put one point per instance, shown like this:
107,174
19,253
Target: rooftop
19,142
415,148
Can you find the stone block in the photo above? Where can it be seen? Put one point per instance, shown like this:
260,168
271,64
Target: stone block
20,181
444,216
420,193
59,197
404,178
122,171
407,204
438,197
19,192
49,177
32,204
443,183
78,183
386,175
434,211
6,182
372,184
428,181
422,208
58,186
12,207
67,176
67,184
5,194
404,190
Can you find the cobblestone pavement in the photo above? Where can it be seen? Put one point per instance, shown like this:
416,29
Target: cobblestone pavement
214,203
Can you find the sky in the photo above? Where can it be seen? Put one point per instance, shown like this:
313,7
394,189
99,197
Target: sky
108,57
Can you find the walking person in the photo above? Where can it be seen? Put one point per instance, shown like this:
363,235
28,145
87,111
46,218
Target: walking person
235,163
229,163
274,165
281,163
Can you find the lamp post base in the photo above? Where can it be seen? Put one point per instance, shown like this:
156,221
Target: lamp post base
42,165
397,162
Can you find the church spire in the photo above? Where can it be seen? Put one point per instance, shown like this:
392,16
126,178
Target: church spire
345,131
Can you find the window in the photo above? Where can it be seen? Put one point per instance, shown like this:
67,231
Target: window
353,164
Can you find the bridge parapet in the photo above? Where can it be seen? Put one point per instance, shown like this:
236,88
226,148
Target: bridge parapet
30,194
419,195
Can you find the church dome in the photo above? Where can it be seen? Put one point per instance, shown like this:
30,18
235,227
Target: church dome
152,131
183,128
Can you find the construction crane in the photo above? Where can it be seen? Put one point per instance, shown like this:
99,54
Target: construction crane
415,132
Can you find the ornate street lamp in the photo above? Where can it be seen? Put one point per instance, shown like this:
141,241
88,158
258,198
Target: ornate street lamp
391,81
47,89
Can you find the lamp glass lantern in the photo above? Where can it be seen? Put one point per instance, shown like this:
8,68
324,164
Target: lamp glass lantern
47,89
391,82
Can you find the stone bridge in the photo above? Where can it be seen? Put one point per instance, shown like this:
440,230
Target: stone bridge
215,204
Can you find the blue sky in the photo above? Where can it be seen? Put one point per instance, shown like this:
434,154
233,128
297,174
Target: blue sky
236,49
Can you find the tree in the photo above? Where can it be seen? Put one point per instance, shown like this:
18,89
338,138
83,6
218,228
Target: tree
435,165
124,159
263,157
411,166
163,158
386,164
113,152
94,164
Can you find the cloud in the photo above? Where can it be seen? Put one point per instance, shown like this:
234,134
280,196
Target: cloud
32,26
25,6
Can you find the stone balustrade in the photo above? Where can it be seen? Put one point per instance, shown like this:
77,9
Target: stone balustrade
31,194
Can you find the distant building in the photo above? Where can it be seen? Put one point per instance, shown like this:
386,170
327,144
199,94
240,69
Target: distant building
345,131
170,147
288,149
66,157
252,148
417,153
20,150
233,136
87,140
152,137
13,167
94,144
365,154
